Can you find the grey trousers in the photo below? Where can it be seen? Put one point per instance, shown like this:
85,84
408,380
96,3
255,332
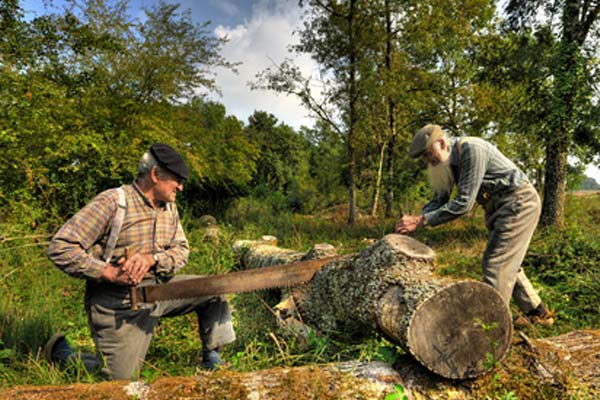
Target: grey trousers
122,336
511,219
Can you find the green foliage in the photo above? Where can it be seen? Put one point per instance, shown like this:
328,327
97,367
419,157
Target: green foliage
326,157
572,71
289,170
568,265
90,89
282,152
217,148
218,151
397,394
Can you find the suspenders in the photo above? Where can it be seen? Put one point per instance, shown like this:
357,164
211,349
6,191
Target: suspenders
117,223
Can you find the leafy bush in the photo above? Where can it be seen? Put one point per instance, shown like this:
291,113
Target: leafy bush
567,266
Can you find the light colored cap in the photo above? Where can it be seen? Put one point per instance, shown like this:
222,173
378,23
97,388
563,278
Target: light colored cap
424,137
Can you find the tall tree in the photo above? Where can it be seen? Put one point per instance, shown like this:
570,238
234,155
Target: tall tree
391,112
577,18
334,34
282,160
517,68
429,76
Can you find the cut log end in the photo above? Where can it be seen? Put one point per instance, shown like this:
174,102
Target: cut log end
410,247
462,331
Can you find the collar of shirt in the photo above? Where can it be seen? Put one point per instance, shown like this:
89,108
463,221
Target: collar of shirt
163,205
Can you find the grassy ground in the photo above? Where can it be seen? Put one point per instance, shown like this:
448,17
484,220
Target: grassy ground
36,298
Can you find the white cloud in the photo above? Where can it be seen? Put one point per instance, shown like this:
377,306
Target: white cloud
261,41
593,172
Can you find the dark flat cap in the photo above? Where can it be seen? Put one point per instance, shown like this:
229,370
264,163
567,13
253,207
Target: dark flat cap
169,159
424,138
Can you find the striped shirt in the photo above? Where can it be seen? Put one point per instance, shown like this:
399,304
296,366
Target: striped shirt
480,171
78,247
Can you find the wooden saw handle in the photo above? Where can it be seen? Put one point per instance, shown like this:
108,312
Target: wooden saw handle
132,289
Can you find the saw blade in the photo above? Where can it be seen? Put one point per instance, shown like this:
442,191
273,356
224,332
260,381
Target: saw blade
280,275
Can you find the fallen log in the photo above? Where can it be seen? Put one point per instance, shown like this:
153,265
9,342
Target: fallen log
561,367
457,329
344,380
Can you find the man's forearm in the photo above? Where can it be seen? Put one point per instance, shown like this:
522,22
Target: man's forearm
171,260
73,260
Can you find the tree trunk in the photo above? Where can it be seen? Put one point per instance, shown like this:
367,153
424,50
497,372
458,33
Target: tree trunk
555,178
454,328
390,175
352,97
352,186
562,119
378,180
539,180
391,111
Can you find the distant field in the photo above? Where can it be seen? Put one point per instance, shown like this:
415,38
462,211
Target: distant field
586,192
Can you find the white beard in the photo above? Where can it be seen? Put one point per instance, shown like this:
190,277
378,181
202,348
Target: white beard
440,176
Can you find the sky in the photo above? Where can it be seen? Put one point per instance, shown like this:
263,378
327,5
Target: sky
259,33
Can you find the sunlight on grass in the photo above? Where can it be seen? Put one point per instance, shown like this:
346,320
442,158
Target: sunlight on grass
38,299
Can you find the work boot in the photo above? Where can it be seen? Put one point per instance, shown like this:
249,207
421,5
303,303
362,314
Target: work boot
211,359
58,351
538,316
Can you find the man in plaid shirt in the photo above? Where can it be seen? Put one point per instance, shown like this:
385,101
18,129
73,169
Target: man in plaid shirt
157,249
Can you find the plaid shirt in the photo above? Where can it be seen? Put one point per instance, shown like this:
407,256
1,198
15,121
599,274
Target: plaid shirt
78,247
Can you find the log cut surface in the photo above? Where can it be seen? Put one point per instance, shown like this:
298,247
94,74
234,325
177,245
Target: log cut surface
460,329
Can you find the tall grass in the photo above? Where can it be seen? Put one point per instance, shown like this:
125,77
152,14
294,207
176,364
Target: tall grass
37,299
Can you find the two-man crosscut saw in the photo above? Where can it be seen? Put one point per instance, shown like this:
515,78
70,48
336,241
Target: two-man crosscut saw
280,275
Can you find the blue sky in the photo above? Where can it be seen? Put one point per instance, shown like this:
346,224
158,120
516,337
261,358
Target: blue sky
225,12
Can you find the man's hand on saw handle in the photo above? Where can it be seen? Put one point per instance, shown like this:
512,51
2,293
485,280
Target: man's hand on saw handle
129,269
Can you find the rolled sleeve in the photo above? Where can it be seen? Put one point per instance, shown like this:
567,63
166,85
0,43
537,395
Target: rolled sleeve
71,247
435,203
175,254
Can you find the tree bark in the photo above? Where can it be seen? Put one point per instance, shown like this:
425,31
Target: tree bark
554,183
391,113
352,118
454,328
